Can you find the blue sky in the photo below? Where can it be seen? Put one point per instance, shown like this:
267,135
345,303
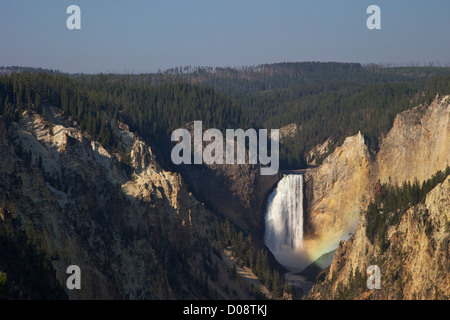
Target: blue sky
143,36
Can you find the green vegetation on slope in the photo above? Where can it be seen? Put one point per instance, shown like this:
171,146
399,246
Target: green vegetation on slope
391,202
325,100
245,251
151,110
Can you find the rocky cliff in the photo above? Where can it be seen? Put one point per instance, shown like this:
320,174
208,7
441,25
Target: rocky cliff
336,192
236,191
132,228
339,190
418,144
416,264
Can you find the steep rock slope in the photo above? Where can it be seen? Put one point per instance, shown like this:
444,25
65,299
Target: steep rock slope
418,144
337,191
237,191
416,265
132,228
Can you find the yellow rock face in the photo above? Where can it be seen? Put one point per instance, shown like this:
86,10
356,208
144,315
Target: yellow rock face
418,144
415,266
416,147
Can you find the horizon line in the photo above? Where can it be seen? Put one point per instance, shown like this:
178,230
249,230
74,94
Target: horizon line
167,70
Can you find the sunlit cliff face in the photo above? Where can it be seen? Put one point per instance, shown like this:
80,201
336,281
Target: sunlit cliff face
339,190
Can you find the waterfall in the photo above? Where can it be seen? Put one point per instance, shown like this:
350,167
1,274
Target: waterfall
284,218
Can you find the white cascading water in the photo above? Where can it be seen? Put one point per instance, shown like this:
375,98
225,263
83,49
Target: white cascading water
284,219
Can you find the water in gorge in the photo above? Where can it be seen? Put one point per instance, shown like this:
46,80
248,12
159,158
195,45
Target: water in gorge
284,222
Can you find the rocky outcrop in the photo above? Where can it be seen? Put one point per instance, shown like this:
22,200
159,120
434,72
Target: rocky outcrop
416,265
236,191
132,228
418,144
316,155
338,190
288,132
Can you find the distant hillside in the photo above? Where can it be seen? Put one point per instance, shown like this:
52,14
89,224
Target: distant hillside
324,100
17,69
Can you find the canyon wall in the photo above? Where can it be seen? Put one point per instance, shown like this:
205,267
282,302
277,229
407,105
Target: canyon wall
339,190
132,228
416,265
236,191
